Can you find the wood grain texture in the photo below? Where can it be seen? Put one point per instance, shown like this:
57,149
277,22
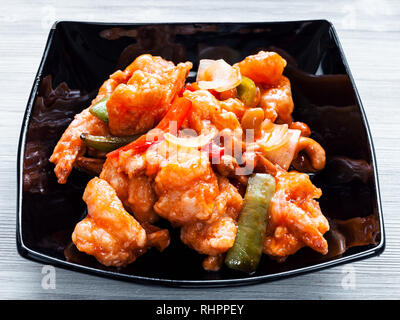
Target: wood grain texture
369,31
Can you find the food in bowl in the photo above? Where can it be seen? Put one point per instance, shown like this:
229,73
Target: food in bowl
219,157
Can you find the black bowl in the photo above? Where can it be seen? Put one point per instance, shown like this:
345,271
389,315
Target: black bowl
80,56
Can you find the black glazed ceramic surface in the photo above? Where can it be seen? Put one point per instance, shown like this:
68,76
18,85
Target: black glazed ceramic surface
79,56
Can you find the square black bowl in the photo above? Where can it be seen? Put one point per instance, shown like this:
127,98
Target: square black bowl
77,59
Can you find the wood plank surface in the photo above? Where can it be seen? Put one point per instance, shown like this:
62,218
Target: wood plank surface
369,31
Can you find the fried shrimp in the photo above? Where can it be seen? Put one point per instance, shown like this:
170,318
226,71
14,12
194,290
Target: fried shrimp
264,67
185,185
217,234
208,110
108,232
277,102
70,146
295,218
140,104
135,189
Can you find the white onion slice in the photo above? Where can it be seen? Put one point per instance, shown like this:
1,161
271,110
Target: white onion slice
190,142
278,137
203,65
283,156
217,75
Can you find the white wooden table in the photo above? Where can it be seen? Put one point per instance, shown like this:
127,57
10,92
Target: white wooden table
369,31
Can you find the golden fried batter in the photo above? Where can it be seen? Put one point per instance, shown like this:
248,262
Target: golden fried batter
295,218
108,232
150,64
185,185
277,102
217,234
263,67
70,146
207,110
140,104
135,190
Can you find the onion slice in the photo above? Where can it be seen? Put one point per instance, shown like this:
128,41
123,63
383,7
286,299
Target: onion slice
283,155
217,75
190,142
275,138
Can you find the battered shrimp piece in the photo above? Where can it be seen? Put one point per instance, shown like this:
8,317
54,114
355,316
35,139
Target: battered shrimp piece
210,238
207,110
70,146
209,114
185,185
140,104
277,101
150,64
133,187
144,62
108,232
106,89
234,105
141,198
295,218
217,234
264,67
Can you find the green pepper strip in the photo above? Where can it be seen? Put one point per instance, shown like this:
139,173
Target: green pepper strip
246,252
246,91
107,144
100,109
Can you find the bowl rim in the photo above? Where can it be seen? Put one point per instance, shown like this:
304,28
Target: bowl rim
36,256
